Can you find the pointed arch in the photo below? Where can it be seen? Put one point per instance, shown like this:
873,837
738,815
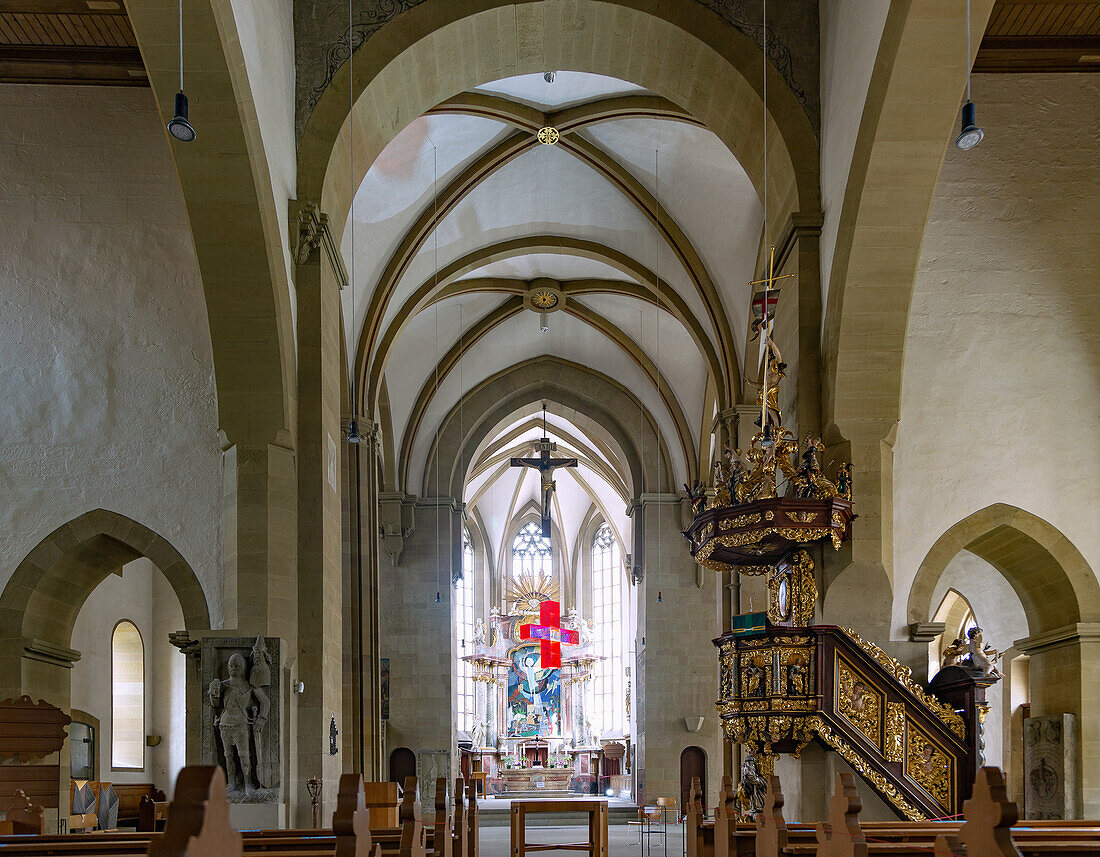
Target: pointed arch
1049,575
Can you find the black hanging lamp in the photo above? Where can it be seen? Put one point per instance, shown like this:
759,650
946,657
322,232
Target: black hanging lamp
971,133
179,126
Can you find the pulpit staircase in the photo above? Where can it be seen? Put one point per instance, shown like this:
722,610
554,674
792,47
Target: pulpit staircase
919,748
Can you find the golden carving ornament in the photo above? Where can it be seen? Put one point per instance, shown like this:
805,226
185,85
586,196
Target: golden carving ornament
858,702
802,517
854,758
928,766
895,732
739,521
904,675
548,136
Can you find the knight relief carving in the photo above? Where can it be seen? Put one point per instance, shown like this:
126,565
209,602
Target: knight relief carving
240,724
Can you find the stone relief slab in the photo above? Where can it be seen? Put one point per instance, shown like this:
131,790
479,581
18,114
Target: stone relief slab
1050,766
241,720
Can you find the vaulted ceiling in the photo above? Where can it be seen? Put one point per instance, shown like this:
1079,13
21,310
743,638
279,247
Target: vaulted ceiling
640,221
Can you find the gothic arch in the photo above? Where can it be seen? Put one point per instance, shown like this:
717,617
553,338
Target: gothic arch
1049,575
40,602
606,403
432,53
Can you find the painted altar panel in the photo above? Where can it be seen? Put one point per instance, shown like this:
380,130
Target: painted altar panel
534,695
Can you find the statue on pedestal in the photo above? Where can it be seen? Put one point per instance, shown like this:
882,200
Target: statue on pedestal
241,714
751,789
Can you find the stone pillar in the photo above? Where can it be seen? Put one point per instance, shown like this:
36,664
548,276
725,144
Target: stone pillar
416,633
678,665
1065,679
320,534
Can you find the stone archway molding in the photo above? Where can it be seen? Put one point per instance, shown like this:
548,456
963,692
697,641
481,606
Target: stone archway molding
1049,575
50,585
577,389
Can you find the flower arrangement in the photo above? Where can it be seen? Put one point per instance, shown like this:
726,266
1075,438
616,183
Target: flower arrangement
510,761
559,760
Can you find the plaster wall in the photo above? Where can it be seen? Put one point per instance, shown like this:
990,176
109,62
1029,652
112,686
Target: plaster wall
850,34
265,29
141,595
108,381
1002,356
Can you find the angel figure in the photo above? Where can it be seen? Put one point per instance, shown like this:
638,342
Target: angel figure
980,655
721,477
953,654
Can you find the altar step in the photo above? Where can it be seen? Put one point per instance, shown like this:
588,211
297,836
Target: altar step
497,812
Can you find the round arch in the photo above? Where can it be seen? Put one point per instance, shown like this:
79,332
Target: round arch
430,55
1049,575
552,379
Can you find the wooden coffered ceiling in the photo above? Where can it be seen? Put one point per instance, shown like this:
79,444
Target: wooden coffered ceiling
68,41
1041,36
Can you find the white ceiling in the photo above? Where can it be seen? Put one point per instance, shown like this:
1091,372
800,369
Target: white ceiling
548,192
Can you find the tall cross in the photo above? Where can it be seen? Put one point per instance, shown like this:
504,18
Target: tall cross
545,464
550,634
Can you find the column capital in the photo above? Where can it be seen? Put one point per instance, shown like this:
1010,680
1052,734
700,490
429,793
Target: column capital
314,234
1067,635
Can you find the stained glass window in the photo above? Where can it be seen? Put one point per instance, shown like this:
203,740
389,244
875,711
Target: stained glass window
532,552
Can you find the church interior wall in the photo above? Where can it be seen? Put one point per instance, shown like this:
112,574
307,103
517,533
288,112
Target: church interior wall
265,30
140,594
850,34
1001,348
109,389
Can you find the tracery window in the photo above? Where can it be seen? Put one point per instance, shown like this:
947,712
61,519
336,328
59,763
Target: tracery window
532,552
607,615
464,630
127,697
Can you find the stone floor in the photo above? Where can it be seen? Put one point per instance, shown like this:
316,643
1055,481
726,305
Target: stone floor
623,840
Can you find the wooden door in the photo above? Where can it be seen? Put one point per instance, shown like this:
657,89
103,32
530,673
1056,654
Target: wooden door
693,763
402,764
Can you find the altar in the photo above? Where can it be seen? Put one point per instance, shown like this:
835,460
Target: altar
537,782
532,734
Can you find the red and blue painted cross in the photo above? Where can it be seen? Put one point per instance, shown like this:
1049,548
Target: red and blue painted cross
550,634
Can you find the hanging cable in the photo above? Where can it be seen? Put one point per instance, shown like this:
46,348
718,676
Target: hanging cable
179,126
353,422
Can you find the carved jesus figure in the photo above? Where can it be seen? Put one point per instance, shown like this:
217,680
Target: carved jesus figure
240,709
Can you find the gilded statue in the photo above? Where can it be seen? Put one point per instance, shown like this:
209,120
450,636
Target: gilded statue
241,708
697,495
776,372
809,481
754,677
796,679
844,481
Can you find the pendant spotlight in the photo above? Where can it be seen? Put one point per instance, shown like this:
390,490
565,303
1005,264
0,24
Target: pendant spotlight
971,134
178,126
353,432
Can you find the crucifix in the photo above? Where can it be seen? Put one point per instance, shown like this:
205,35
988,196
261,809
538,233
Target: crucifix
763,310
545,464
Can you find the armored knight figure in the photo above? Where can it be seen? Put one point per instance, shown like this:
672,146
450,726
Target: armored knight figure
241,710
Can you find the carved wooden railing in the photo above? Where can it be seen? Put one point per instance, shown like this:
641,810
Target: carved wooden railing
783,687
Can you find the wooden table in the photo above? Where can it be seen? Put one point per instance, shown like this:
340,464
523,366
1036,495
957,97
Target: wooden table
597,825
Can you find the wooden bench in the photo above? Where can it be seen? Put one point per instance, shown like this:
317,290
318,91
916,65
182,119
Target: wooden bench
771,836
454,834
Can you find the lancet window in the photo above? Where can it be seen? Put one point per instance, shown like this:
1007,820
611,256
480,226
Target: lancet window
127,697
607,615
464,635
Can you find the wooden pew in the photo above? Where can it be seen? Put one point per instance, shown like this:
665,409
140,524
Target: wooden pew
771,835
152,814
22,817
411,839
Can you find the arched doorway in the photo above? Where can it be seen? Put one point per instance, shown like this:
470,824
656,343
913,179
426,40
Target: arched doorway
402,765
693,763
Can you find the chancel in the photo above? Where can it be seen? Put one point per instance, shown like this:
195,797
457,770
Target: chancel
679,414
